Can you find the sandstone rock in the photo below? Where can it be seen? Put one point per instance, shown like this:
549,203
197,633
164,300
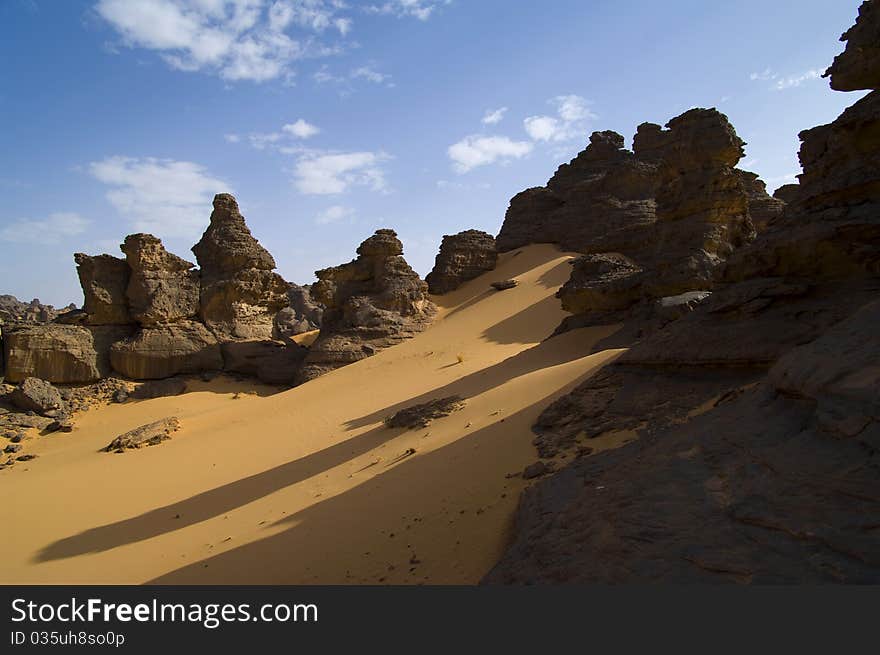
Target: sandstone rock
272,362
763,209
301,315
162,287
602,282
60,353
145,435
504,285
858,66
536,470
240,293
420,416
104,280
787,193
164,351
34,394
462,257
370,303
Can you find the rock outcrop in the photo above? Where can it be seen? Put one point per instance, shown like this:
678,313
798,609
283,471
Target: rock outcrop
755,417
240,293
462,257
162,287
301,315
60,354
104,280
167,350
674,207
15,312
370,303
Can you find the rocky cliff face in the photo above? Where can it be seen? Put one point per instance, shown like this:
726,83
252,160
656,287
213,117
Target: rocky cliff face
240,293
370,303
755,417
462,257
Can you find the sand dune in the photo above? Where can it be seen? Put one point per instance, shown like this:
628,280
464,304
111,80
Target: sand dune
308,485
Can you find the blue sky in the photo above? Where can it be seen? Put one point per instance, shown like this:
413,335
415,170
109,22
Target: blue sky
329,119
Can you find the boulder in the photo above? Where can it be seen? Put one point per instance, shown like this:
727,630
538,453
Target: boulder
370,303
602,282
150,434
104,280
240,293
162,287
34,394
61,354
167,350
462,257
421,415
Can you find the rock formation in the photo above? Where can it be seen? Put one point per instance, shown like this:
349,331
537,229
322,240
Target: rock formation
36,395
370,303
674,208
756,416
104,280
152,316
302,314
13,311
462,257
60,354
162,287
240,293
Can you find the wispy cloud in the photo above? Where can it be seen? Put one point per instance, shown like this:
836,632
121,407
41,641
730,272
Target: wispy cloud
345,81
326,173
780,83
255,40
421,9
162,196
480,150
52,229
494,116
334,214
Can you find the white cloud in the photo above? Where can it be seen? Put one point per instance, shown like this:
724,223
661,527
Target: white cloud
370,74
324,173
255,40
164,197
232,138
421,9
52,229
494,116
796,80
334,214
573,113
301,129
782,83
479,150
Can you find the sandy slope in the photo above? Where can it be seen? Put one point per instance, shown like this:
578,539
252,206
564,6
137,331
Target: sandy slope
303,486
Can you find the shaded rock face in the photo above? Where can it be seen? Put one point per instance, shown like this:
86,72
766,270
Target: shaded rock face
787,193
607,281
104,280
60,354
462,257
272,362
370,303
162,287
757,414
675,205
302,314
240,293
858,66
167,350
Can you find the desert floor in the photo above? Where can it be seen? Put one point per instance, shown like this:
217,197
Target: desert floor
308,485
